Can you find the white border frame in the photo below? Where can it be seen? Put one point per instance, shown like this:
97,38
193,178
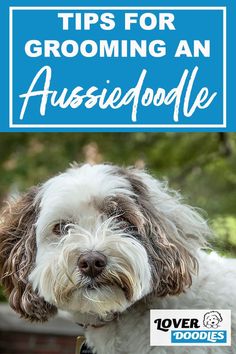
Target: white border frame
114,8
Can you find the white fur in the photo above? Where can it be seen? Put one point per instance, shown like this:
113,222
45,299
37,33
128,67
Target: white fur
215,287
73,196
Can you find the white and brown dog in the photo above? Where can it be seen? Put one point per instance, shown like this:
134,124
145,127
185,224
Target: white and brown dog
107,244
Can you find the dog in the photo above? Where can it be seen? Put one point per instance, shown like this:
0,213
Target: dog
212,319
106,244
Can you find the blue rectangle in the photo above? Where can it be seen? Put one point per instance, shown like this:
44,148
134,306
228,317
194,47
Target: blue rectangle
161,73
141,86
207,337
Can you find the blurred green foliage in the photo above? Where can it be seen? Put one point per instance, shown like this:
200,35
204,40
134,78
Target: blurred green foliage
202,166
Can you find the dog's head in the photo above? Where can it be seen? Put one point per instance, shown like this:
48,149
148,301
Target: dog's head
96,239
212,319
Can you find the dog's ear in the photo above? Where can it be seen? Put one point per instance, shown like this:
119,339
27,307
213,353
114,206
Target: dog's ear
219,316
173,232
17,257
205,319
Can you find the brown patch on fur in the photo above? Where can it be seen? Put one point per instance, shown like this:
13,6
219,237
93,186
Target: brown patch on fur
171,263
127,286
124,209
17,257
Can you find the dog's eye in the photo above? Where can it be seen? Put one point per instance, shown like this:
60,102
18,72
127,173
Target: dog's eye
125,224
60,228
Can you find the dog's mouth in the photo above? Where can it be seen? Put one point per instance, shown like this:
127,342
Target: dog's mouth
93,286
97,284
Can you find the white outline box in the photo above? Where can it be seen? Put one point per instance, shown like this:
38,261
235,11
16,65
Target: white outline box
160,338
115,8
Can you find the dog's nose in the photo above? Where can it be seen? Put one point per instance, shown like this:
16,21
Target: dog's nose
92,263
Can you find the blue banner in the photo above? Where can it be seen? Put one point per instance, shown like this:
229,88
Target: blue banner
114,68
200,336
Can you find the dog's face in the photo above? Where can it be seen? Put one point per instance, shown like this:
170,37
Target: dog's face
212,319
88,232
96,239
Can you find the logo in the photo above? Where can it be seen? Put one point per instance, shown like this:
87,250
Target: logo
190,327
212,319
